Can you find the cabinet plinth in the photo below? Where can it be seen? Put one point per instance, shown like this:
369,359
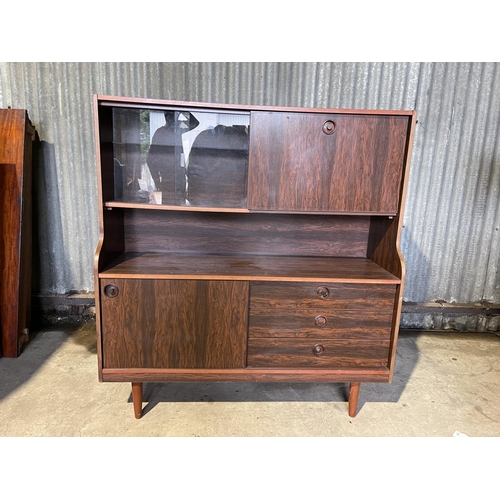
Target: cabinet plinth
248,243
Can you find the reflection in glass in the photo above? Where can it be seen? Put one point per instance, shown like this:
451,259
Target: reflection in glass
178,157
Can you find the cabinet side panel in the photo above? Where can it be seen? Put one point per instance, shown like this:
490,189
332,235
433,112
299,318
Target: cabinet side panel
104,152
26,240
174,324
382,247
110,222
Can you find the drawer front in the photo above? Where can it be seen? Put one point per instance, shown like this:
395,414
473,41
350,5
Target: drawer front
321,323
317,353
293,295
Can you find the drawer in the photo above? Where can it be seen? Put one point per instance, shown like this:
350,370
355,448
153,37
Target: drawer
317,353
301,295
321,323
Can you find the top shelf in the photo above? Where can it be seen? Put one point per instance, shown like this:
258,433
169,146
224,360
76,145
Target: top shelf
133,102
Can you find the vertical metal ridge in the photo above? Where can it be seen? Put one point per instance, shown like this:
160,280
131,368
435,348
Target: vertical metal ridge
451,236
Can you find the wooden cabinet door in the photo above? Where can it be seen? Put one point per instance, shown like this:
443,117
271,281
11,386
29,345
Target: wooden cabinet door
16,151
149,323
326,162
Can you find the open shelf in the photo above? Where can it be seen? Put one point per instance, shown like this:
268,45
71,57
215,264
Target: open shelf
236,210
247,267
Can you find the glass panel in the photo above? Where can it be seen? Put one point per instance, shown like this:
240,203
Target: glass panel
179,157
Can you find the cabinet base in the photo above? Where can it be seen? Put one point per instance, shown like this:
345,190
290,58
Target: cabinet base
316,375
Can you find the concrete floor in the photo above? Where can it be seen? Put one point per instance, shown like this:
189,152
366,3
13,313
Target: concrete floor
445,384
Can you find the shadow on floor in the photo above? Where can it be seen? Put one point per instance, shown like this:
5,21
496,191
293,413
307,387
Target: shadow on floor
407,354
234,392
188,392
43,344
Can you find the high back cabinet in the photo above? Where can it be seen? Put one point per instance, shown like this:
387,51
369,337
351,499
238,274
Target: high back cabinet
248,243
17,136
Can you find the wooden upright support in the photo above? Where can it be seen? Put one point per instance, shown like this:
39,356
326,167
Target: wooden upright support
353,398
137,399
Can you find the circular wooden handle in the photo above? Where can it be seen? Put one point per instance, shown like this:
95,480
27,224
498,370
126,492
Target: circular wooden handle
320,321
323,292
318,350
329,127
111,290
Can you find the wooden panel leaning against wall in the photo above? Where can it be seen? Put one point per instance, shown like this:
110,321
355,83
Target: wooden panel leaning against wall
17,136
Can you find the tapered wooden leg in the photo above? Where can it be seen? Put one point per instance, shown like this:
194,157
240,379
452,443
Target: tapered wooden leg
353,398
137,399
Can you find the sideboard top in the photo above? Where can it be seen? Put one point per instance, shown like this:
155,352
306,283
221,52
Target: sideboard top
117,101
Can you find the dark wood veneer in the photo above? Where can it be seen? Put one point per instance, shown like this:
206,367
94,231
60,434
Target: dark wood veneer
284,352
346,323
248,267
17,136
161,104
306,295
294,165
302,284
245,234
247,375
174,324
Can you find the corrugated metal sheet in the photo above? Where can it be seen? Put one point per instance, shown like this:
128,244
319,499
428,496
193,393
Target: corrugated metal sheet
452,221
451,237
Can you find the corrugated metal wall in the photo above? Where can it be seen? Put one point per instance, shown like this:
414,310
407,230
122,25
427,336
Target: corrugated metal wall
451,238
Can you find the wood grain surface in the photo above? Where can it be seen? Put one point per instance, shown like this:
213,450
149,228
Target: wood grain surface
174,324
294,165
248,267
167,104
298,353
339,324
307,295
260,234
380,374
16,151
